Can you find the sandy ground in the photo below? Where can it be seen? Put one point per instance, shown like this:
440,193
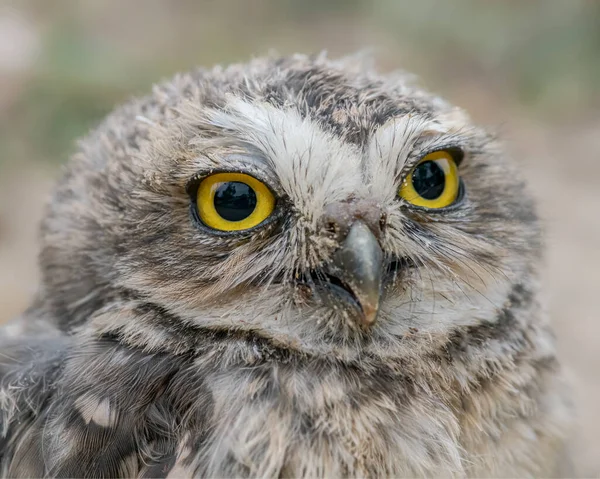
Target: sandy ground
563,169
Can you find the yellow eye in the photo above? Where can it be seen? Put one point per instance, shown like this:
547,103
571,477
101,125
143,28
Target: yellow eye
433,182
233,201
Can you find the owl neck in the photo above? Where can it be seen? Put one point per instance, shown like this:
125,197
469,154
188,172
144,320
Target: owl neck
127,318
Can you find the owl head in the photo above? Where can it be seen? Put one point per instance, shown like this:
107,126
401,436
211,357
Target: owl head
311,203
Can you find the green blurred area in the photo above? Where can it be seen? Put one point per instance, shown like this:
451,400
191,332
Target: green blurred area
543,56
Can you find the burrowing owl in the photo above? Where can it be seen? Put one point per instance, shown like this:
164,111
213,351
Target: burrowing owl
291,267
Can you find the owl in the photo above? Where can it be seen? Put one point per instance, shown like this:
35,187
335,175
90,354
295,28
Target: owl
294,266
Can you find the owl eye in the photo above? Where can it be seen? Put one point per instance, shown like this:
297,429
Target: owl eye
233,201
433,182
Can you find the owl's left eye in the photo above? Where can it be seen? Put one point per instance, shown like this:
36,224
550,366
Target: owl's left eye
433,182
233,201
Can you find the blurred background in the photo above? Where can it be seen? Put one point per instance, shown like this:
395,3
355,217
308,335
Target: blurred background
529,69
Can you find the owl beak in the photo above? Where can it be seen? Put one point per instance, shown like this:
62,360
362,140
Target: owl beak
358,264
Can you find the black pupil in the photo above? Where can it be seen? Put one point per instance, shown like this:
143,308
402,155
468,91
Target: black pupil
429,180
234,201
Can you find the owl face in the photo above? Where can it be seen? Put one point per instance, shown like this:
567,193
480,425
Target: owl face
315,205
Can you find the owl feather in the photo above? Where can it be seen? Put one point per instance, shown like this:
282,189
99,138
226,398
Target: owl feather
352,330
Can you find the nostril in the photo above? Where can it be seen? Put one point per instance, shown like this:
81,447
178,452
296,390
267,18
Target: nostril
339,217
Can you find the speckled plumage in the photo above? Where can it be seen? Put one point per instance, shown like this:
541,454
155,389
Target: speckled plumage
155,348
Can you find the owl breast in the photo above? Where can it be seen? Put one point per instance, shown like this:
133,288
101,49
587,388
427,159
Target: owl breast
319,420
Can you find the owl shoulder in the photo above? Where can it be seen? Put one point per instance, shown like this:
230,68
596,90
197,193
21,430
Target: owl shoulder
90,408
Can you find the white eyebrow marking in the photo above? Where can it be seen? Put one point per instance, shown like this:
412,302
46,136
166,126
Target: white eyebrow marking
314,167
389,148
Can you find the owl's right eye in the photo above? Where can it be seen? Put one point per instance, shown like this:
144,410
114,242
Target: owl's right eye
433,183
233,201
